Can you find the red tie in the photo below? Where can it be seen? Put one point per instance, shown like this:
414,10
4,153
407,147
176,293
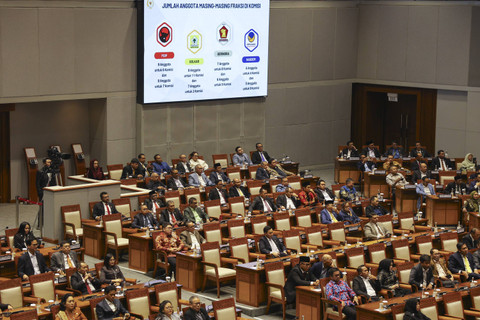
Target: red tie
156,205
174,221
108,209
87,284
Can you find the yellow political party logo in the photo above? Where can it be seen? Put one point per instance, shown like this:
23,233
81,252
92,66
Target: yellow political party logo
194,41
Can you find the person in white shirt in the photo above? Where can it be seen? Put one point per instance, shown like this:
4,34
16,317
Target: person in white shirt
195,160
191,238
366,285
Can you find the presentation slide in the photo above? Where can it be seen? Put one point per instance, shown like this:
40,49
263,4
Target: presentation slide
204,50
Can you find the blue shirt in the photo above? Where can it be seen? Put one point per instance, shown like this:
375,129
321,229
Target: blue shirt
281,188
161,167
241,159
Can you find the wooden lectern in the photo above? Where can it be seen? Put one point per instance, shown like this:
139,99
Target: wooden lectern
79,159
32,168
443,211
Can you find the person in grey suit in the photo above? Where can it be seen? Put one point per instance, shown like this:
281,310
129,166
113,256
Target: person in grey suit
240,158
219,175
374,230
104,309
64,259
199,179
262,172
194,213
191,236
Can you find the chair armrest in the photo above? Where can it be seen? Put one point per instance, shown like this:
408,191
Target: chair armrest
332,243
69,224
292,250
127,231
386,293
472,313
405,286
353,239
232,261
183,302
29,299
277,286
130,280
211,264
154,309
333,302
239,259
401,231
89,221
137,316
75,292
414,288
254,255
114,235
61,293
422,228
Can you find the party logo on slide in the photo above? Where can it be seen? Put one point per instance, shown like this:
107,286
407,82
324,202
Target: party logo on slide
251,40
224,33
164,34
194,41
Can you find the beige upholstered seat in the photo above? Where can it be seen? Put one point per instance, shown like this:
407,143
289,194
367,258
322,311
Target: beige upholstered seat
282,221
213,208
173,196
212,265
93,306
397,311
213,256
10,234
212,232
72,221
258,223
193,193
42,286
115,171
237,205
138,302
401,249
253,173
220,158
168,291
424,244
233,173
337,232
377,252
236,228
449,241
240,251
113,233
275,275
355,257
224,309
123,206
11,293
295,182
304,219
315,238
407,223
291,239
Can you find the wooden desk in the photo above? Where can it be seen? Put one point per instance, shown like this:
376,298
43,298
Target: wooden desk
309,303
140,252
345,169
406,199
292,167
189,271
443,211
473,220
372,183
94,240
250,284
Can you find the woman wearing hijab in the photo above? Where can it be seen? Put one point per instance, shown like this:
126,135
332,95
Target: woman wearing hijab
95,171
388,278
468,164
412,310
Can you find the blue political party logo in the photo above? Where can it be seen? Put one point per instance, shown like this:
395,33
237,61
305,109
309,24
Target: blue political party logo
251,40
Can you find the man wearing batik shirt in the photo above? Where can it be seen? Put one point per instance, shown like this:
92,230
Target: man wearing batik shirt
307,196
338,290
348,192
168,242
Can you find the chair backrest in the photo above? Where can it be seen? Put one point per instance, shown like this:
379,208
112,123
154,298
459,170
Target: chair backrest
446,177
304,218
258,223
291,239
237,205
475,297
9,235
211,253
142,198
113,223
336,189
192,193
314,236
174,196
93,306
428,306
401,249
254,187
449,241
220,158
424,244
11,292
115,171
403,271
224,309
68,273
377,252
355,257
25,315
138,301
233,173
72,214
42,285
167,291
239,248
387,222
213,208
236,228
253,171
275,273
406,220
295,182
123,206
282,221
98,267
336,231
398,311
212,232
453,304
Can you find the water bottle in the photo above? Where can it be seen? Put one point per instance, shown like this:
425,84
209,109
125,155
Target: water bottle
446,153
435,229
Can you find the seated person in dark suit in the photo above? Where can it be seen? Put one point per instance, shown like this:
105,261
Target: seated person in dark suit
456,187
474,176
176,182
440,162
289,200
371,151
269,244
263,203
219,193
5,307
349,151
262,172
474,185
183,165
104,207
277,171
347,215
375,208
145,220
323,193
298,276
172,215
472,239
320,269
32,261
111,272
191,238
259,156
415,163
153,202
422,172
366,285
418,149
64,259
84,281
195,312
396,151
366,164
156,184
421,275
238,190
111,308
462,262
132,170
329,214
218,174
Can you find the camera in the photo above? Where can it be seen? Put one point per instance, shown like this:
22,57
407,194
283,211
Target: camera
57,158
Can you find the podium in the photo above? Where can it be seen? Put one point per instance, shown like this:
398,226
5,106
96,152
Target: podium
443,211
406,199
345,169
373,183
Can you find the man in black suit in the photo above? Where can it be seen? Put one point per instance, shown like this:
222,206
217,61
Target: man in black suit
183,166
269,244
238,190
195,312
259,156
320,269
219,193
366,285
349,151
64,259
440,162
104,310
472,239
153,202
370,151
396,151
156,184
462,262
418,149
299,276
422,274
145,220
457,186
262,203
104,207
375,208
172,215
415,164
218,174
422,172
365,164
323,193
32,261
84,281
289,200
176,182
133,170
45,178
262,172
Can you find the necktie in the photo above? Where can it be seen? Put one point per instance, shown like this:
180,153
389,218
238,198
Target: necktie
379,230
172,217
240,193
108,209
156,204
262,156
69,261
333,217
87,284
467,265
267,206
442,164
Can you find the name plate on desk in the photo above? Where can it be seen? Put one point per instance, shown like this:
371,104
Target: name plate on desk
354,158
354,228
7,257
434,172
410,186
308,176
225,246
406,158
379,172
445,196
286,162
75,246
461,230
